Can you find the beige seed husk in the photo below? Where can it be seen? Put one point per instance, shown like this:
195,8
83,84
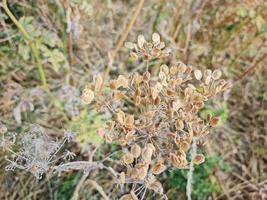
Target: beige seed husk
128,158
216,74
136,150
198,74
98,82
156,37
141,41
87,96
121,117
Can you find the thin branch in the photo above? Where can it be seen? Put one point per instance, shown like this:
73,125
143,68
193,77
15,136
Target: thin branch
123,38
28,38
98,188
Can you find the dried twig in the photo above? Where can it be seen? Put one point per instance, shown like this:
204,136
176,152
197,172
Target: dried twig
123,37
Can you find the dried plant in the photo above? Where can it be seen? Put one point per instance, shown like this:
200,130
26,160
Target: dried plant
155,118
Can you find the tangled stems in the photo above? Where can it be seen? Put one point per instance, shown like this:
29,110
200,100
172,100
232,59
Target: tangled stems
32,44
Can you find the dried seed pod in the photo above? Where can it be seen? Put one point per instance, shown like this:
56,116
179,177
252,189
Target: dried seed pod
128,158
207,73
216,74
138,92
136,150
165,69
162,76
198,74
176,105
158,87
174,70
198,159
147,153
159,167
181,67
184,146
121,117
179,124
129,45
156,38
122,81
98,82
156,187
129,121
146,76
157,101
141,41
87,96
141,170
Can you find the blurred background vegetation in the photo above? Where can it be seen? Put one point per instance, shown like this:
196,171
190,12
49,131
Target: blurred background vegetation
77,39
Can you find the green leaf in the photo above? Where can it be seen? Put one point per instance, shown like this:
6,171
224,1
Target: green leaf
24,51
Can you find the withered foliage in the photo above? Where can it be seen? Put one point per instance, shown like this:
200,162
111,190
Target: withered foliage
155,117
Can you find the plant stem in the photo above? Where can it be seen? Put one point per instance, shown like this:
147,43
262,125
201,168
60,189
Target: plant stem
28,38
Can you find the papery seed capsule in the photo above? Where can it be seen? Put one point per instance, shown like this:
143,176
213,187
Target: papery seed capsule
165,69
156,37
157,101
122,81
158,87
198,74
141,41
179,124
147,153
128,158
121,117
87,96
146,76
162,76
216,74
136,150
138,92
156,187
159,167
176,105
198,159
98,82
184,146
174,70
129,121
181,67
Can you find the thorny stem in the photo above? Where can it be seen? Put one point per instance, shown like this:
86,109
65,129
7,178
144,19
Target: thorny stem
32,44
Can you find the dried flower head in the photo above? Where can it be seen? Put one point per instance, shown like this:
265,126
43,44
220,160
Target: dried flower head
156,116
148,50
